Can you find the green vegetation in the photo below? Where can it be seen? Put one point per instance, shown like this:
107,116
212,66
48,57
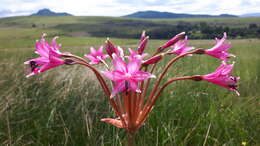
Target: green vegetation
197,28
63,106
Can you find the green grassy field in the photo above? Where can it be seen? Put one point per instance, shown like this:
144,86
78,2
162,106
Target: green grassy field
64,106
86,26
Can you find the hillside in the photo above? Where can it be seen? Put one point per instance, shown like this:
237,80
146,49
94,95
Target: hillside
251,15
168,15
48,12
120,27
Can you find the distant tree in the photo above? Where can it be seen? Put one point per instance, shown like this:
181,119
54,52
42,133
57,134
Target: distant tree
252,26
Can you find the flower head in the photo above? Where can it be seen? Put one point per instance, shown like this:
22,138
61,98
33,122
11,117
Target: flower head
126,76
96,56
220,49
49,56
180,47
135,55
221,76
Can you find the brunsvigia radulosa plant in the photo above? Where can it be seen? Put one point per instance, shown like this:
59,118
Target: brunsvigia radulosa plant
131,75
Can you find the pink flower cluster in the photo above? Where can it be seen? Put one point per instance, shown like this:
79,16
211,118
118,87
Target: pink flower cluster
130,75
50,56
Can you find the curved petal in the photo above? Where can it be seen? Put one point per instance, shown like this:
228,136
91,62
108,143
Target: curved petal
186,49
100,50
36,71
93,51
141,76
133,85
39,60
227,69
114,122
119,87
91,57
133,65
41,50
54,44
119,64
114,75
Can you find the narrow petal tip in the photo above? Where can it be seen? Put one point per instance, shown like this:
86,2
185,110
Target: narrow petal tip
152,76
138,90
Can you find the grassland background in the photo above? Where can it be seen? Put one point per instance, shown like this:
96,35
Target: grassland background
64,106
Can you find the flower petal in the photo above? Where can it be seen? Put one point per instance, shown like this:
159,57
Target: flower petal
141,76
133,85
119,87
114,75
114,122
133,65
119,64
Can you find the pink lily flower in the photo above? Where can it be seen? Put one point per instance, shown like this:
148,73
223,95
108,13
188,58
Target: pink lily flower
49,57
180,47
222,77
135,55
220,49
126,76
96,56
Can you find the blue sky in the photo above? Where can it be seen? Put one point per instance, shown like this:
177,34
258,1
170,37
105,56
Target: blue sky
123,7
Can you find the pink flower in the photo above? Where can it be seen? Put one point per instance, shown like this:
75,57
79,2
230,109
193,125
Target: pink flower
222,77
126,77
49,56
180,47
135,55
96,56
220,49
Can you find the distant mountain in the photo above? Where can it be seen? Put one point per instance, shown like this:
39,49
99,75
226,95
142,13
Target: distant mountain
48,12
251,15
158,15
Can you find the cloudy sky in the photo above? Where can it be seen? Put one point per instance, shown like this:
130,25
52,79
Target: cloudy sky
123,7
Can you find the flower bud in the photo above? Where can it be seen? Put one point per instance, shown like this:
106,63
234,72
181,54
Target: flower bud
172,41
142,45
143,36
110,48
153,59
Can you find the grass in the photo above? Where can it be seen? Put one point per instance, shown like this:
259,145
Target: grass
63,106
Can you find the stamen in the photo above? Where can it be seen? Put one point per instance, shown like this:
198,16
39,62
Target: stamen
33,65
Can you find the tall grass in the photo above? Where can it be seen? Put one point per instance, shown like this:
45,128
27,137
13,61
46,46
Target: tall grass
64,106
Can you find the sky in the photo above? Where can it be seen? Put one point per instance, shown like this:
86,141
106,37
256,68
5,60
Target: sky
124,7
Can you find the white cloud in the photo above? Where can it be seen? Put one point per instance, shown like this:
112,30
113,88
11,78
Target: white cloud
123,7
